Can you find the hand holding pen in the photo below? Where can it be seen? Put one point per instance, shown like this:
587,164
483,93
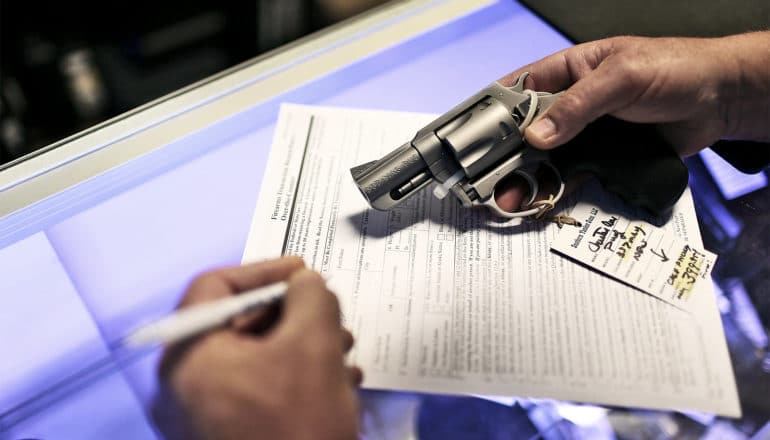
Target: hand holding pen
278,372
237,358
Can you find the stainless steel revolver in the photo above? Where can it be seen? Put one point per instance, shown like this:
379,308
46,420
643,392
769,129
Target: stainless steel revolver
470,149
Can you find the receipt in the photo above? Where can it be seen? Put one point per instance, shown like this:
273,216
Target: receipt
637,253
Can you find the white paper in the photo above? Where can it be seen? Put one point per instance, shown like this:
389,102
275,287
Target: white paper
439,302
633,251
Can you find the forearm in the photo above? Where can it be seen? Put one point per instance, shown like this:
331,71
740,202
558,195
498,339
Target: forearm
746,86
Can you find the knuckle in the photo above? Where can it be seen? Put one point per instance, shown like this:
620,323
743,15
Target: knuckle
584,58
307,276
595,54
199,287
571,104
633,68
618,43
201,281
295,260
347,337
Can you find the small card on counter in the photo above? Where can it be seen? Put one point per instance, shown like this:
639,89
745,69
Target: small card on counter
637,253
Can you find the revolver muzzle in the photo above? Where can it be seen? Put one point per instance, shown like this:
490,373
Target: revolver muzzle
387,182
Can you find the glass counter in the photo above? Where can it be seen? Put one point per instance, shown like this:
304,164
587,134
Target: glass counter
103,231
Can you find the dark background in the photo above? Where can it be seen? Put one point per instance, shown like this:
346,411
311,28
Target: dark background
65,66
585,20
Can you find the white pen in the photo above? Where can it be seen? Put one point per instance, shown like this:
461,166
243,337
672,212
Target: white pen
199,318
175,327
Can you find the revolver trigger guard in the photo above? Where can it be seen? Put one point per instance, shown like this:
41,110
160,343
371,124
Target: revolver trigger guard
536,209
491,204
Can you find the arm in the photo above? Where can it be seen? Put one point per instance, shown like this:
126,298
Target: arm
746,90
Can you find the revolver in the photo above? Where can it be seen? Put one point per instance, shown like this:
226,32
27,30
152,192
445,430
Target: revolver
470,149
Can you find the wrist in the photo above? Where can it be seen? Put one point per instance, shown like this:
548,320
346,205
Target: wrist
745,86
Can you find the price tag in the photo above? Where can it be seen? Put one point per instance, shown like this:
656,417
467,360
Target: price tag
636,253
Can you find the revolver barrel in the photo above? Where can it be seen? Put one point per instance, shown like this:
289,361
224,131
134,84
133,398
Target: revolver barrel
386,182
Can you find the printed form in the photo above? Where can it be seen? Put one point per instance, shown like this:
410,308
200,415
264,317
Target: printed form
440,301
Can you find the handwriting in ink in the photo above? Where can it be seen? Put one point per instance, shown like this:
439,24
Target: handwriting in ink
614,238
600,235
610,222
627,245
640,250
687,268
661,255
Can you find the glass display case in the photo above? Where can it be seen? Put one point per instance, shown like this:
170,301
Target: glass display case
102,231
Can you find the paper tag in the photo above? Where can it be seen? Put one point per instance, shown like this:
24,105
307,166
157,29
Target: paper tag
637,253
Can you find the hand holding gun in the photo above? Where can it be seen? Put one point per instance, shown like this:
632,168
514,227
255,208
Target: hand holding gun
623,109
469,150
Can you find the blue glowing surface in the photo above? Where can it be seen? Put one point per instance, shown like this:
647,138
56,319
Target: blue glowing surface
110,259
731,182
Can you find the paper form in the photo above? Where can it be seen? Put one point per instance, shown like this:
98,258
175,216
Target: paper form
440,302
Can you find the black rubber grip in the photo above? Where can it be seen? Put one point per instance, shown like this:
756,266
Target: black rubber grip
630,160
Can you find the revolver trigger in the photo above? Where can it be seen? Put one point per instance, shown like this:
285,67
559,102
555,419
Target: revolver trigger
531,180
533,185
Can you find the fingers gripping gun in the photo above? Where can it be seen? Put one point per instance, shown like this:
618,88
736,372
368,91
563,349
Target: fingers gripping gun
471,148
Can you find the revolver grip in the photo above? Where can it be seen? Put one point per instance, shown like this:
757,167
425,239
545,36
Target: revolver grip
631,160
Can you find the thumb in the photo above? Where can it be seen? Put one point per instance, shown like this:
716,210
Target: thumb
601,92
